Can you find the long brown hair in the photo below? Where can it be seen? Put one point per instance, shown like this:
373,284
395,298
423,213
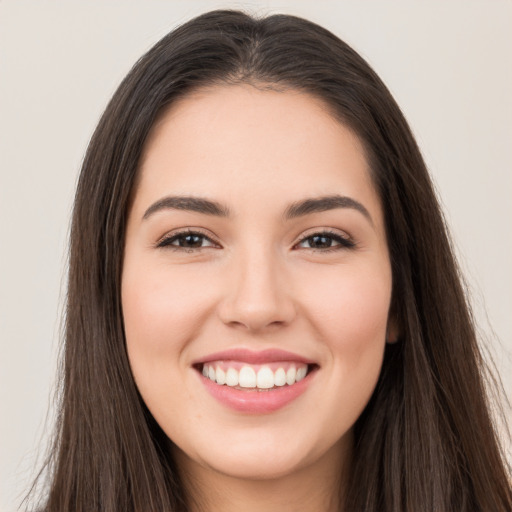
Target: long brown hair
425,441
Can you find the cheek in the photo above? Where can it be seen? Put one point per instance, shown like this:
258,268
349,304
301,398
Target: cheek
351,315
161,310
352,303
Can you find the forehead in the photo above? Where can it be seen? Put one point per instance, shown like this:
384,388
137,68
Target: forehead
238,141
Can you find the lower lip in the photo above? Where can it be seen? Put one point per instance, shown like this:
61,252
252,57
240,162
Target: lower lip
257,402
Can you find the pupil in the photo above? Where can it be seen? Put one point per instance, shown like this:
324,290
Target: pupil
321,241
191,240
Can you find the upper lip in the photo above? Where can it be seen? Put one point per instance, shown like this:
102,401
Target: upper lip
254,357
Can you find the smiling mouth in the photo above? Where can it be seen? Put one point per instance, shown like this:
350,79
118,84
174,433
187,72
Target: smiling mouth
260,377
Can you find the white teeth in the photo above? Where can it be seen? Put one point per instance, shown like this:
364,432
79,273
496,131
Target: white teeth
290,375
247,377
301,373
220,376
232,377
280,377
265,378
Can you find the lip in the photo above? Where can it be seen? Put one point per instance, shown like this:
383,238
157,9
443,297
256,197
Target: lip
254,357
252,401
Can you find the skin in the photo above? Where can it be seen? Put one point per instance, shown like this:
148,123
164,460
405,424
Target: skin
253,284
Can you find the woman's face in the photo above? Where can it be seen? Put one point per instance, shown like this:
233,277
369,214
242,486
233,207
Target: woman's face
255,251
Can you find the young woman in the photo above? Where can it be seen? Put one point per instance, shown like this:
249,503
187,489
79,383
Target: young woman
264,311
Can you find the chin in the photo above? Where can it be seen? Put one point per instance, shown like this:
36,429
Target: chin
259,454
257,467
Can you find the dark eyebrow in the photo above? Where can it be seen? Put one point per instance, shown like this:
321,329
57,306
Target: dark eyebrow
297,209
322,204
194,204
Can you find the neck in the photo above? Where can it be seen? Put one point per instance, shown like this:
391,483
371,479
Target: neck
318,487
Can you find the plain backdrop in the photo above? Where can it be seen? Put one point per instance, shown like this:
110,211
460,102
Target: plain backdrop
448,63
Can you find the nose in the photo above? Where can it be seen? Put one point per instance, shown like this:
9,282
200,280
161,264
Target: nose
257,293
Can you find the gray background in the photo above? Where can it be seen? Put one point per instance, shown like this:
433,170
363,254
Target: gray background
448,63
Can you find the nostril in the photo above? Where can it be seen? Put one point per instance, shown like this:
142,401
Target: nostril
258,307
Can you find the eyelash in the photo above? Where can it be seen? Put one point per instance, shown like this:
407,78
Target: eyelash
344,242
166,241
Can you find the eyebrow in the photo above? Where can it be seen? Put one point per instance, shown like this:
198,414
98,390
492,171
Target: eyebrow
322,204
294,210
189,203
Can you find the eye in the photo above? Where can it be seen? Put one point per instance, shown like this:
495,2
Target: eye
326,241
186,241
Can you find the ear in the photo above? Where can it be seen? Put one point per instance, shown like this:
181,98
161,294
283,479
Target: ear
392,330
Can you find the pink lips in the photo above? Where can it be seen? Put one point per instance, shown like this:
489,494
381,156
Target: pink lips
252,357
251,400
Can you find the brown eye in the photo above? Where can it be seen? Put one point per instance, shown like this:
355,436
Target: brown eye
326,241
186,240
320,241
190,240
